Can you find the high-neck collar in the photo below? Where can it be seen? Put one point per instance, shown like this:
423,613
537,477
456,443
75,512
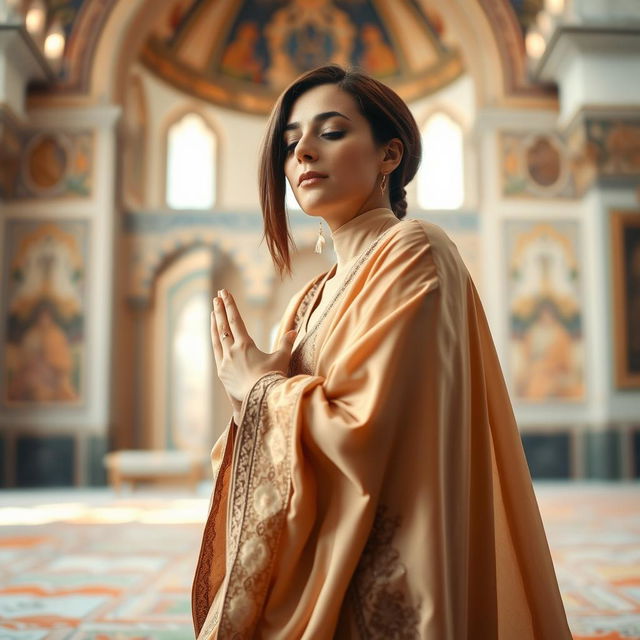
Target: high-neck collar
354,236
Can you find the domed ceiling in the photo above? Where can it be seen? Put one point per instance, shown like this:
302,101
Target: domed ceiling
242,54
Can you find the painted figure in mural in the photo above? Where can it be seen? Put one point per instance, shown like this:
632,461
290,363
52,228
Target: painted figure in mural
45,318
42,368
378,57
546,324
304,32
239,58
549,368
371,482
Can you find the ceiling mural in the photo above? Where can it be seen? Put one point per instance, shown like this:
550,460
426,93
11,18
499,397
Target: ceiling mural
242,54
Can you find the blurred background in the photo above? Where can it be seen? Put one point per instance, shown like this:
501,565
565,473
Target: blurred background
129,140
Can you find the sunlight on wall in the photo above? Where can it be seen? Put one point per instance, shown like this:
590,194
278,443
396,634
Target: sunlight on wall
441,172
191,157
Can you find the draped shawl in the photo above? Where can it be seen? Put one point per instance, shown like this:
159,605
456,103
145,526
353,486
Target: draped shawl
379,489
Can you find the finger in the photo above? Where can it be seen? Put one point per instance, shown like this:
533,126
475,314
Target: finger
215,340
222,323
234,318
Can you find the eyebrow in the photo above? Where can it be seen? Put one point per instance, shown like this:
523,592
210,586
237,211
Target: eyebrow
325,115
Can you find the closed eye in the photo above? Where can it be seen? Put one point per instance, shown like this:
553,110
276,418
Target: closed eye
330,135
333,135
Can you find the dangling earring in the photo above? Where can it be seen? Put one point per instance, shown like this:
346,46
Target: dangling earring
383,182
320,241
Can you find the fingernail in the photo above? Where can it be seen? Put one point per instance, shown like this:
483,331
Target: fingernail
224,293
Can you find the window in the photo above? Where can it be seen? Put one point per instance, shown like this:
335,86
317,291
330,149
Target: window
441,173
191,374
191,158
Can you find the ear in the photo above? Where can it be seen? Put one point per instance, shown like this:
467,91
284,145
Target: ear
393,151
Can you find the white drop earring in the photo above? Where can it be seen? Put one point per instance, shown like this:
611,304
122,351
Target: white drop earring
320,241
383,183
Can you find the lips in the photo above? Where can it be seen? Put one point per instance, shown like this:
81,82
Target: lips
309,175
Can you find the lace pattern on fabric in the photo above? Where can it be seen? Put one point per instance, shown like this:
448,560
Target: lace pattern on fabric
378,589
259,499
201,602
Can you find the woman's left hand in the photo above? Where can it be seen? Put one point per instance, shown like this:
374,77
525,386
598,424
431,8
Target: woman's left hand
239,362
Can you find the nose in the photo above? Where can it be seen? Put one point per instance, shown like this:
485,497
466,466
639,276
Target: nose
305,149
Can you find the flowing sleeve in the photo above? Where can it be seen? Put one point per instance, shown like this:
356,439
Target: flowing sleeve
311,452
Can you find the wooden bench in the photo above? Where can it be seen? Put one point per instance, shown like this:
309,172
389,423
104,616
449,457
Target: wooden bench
153,466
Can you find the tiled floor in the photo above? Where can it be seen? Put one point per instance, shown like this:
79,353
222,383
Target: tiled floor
87,564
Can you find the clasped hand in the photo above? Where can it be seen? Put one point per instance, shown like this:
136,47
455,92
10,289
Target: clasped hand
238,361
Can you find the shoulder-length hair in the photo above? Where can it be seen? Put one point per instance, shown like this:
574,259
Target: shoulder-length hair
388,116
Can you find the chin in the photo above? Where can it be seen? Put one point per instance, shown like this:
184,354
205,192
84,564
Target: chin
322,207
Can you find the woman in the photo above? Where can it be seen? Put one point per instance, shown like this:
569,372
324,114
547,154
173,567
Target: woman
372,482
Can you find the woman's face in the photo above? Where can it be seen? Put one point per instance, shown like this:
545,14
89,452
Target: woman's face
326,134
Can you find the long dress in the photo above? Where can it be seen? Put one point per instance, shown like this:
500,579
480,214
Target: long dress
379,489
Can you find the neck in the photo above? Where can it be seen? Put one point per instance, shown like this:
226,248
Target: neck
355,235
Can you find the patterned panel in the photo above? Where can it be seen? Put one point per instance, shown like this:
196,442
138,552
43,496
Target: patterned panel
546,348
45,305
538,165
614,144
41,164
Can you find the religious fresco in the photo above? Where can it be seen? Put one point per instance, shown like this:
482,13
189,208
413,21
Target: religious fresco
546,346
44,164
83,22
547,164
255,48
57,164
44,302
536,165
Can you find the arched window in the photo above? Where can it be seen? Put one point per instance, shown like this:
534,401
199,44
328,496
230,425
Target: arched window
441,174
191,374
191,164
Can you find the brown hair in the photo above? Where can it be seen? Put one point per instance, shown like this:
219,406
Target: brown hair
388,116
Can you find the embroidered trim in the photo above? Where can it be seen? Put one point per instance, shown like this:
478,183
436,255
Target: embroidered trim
378,588
303,357
200,601
306,301
259,498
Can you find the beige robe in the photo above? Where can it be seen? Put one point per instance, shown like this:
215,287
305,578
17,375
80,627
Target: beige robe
379,489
